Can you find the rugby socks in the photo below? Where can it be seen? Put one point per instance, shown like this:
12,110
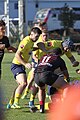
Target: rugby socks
42,100
31,103
33,94
17,98
26,91
32,97
41,106
11,101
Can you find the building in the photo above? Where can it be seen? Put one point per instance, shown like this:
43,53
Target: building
34,5
30,7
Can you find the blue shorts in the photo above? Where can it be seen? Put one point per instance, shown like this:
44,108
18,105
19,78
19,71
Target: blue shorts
34,63
17,69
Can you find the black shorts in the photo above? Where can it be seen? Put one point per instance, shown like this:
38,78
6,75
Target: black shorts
43,78
17,69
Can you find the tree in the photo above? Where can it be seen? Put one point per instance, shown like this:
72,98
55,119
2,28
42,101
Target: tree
67,17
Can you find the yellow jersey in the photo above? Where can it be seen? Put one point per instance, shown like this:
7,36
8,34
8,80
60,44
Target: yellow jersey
25,47
39,53
51,44
57,44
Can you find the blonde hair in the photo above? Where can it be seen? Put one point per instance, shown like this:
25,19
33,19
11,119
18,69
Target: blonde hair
44,31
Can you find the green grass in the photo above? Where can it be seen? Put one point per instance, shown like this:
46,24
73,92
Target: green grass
8,84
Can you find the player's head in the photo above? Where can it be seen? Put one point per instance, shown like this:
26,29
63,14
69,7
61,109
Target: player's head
2,28
67,44
40,25
44,35
35,33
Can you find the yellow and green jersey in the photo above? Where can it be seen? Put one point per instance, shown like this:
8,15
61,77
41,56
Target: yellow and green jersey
52,44
25,47
57,44
38,53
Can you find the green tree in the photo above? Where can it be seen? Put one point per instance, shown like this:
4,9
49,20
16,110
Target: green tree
67,17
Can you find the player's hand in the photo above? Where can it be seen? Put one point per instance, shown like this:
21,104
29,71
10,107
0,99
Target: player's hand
2,46
28,65
78,71
75,64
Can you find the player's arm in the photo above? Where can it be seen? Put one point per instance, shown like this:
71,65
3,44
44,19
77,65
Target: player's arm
66,75
41,46
34,56
11,49
2,46
72,58
18,55
64,70
8,46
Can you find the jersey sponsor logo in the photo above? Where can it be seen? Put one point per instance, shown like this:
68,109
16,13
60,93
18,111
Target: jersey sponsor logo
22,46
49,44
48,64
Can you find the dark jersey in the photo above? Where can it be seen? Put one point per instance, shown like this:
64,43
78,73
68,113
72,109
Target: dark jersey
51,62
4,41
44,73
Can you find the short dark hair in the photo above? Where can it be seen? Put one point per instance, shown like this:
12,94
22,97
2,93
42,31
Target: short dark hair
2,23
36,30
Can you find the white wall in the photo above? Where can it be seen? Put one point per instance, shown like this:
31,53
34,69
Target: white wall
47,4
13,13
1,8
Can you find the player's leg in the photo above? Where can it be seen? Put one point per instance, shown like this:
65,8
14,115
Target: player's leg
60,82
30,80
22,82
33,94
51,91
42,98
11,101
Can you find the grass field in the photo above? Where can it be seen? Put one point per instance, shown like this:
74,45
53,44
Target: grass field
8,84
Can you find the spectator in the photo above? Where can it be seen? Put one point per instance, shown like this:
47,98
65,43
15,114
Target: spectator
4,42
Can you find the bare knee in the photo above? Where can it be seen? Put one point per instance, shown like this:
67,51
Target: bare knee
24,84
